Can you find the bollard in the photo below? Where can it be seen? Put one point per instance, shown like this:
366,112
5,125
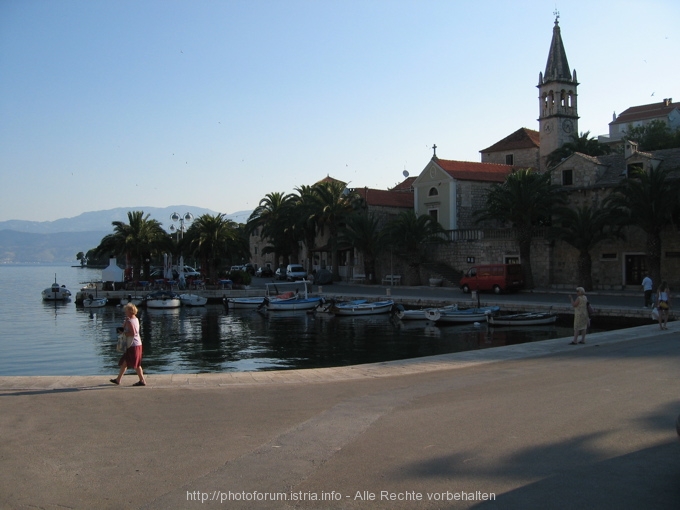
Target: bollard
320,289
388,291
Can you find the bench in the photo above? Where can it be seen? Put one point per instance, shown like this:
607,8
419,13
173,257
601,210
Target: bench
358,278
392,279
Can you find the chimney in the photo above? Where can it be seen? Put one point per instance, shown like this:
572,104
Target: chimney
668,101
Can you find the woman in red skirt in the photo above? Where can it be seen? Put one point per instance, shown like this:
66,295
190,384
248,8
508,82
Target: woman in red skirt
132,357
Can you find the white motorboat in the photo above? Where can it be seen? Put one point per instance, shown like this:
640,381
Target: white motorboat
327,307
163,299
94,302
523,319
56,292
367,308
458,316
412,315
135,300
192,300
244,302
293,300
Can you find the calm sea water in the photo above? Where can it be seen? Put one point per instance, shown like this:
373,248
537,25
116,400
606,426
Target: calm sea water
44,338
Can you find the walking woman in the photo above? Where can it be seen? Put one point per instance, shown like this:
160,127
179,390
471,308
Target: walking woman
132,357
581,320
663,303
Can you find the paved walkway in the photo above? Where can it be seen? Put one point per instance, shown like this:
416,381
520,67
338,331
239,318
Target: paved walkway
539,425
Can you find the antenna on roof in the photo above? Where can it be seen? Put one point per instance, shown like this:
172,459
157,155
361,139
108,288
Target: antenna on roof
405,172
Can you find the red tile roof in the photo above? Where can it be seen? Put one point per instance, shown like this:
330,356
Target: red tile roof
471,171
386,198
523,138
645,112
406,185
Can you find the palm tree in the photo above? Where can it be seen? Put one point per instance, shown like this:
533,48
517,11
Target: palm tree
139,241
362,233
273,217
581,144
648,200
335,205
409,236
525,200
305,219
583,228
213,238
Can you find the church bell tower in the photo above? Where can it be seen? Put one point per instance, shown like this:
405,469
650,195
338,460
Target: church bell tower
558,112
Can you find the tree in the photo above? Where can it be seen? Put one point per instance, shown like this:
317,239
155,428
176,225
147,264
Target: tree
525,200
82,258
656,135
410,236
213,238
583,228
581,144
649,200
334,204
273,216
362,233
305,223
139,241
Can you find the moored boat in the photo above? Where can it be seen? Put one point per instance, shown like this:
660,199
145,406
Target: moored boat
94,302
163,299
192,300
367,308
453,315
327,307
412,315
293,300
523,319
56,292
244,302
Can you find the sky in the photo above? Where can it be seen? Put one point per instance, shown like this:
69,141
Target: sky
134,103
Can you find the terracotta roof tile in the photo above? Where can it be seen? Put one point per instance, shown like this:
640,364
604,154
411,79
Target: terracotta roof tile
644,112
386,198
471,171
523,138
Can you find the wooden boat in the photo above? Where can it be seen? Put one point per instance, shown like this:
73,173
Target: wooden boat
523,319
457,316
367,308
163,299
56,292
192,300
411,315
244,303
291,300
94,302
327,307
135,300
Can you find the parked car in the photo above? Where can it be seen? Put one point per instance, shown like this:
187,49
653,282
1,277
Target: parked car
280,273
237,268
250,268
189,272
264,272
496,277
295,272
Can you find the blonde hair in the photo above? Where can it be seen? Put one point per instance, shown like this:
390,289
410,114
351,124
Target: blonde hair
580,290
131,308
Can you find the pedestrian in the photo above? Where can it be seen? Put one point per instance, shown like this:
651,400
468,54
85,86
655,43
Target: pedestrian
663,303
132,357
581,320
647,288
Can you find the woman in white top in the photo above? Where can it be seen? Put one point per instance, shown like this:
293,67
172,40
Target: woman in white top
663,304
132,357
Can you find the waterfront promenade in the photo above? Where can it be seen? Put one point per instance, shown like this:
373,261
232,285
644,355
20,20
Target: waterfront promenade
539,425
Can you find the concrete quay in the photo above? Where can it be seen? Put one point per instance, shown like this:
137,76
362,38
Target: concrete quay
538,425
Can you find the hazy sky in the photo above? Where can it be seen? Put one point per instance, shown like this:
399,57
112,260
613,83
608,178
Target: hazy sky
128,103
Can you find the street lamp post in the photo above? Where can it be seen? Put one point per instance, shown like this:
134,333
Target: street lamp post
185,218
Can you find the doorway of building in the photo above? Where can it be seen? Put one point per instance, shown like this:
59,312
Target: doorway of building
635,270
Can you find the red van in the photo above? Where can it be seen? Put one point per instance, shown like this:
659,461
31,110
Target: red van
496,277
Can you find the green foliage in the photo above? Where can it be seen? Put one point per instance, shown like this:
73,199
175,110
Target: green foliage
214,239
579,143
409,235
656,135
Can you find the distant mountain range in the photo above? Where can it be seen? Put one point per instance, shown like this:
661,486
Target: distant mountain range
60,240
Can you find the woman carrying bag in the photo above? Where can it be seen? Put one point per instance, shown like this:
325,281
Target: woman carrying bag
132,357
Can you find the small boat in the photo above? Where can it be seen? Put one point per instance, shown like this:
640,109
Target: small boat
56,292
192,300
455,315
327,307
523,319
293,300
94,302
411,315
163,299
244,302
135,300
367,308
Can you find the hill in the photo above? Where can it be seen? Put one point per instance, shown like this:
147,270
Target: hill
60,240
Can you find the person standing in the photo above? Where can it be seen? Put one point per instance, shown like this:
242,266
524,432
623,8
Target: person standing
647,288
132,357
663,303
581,320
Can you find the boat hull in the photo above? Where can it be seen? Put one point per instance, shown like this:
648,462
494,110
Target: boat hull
453,316
363,308
294,304
56,293
163,300
192,300
94,302
245,303
523,319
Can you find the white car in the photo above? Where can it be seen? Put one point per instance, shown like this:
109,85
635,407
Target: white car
295,272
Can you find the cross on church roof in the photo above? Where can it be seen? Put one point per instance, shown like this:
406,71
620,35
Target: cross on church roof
434,148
